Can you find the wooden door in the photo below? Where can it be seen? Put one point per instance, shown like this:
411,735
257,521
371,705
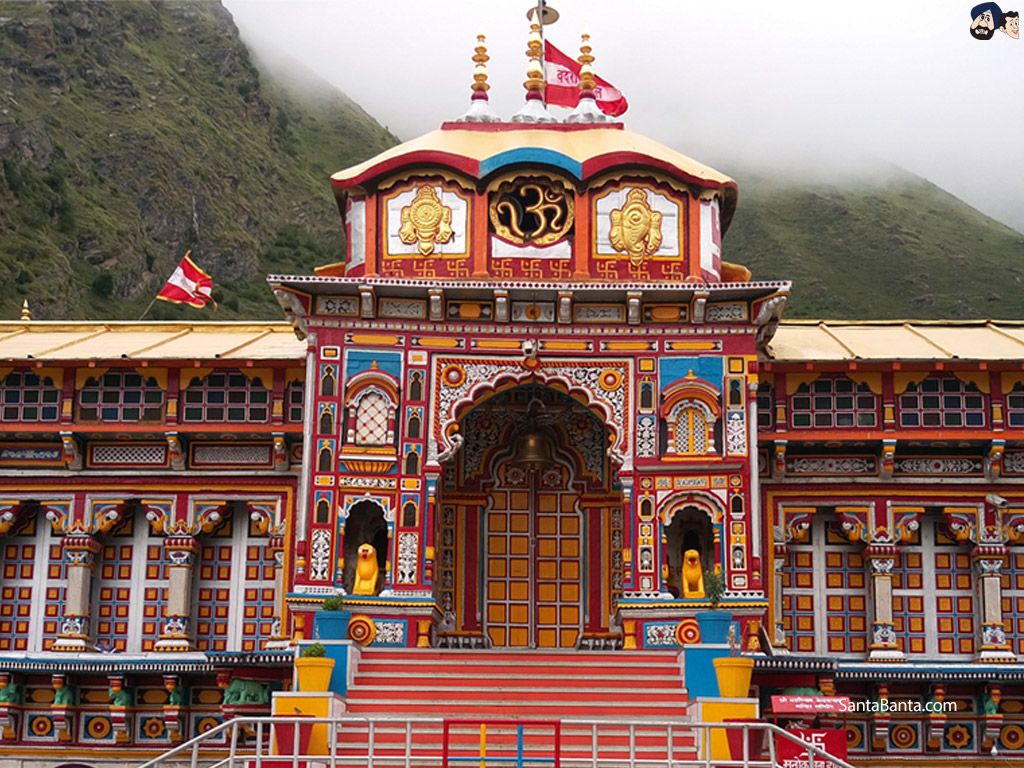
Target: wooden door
533,568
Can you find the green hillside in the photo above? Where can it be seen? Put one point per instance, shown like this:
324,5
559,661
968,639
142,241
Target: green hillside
132,131
900,249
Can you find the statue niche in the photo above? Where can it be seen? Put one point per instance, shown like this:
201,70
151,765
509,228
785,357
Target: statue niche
689,549
365,549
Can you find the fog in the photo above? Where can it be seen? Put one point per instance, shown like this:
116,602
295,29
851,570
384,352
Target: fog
819,91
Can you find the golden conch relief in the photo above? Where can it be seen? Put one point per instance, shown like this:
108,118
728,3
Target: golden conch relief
426,222
636,228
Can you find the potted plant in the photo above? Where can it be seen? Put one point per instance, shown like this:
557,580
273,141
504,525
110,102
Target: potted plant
313,669
714,624
331,621
733,671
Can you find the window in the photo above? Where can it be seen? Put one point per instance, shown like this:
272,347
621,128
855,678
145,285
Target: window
1012,578
412,428
412,464
646,395
326,422
765,406
324,460
131,585
234,606
409,515
293,401
824,593
691,430
31,586
942,402
1015,407
328,383
323,512
226,396
121,396
833,402
932,595
372,415
416,387
25,396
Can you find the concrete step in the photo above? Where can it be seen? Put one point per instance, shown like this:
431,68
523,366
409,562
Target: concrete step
459,679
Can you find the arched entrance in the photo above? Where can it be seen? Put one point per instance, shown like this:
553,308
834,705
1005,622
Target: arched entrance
528,508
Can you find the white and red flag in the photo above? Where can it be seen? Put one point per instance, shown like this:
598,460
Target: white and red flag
188,284
562,76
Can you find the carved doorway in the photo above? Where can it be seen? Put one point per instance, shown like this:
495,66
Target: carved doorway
529,526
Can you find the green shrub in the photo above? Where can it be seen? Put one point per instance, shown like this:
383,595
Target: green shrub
332,603
314,651
714,586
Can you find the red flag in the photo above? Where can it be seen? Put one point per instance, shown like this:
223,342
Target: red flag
562,74
188,284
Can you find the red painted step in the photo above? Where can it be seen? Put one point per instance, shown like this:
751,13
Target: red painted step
539,684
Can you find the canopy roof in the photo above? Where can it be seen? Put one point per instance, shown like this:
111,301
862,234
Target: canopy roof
581,151
800,341
60,341
838,340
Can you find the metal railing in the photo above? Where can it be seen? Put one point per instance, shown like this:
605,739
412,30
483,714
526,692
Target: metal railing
425,742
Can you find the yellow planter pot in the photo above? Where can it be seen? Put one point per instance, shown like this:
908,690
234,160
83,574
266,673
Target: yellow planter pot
734,673
314,673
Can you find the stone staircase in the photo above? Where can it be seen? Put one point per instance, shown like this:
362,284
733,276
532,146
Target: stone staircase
530,687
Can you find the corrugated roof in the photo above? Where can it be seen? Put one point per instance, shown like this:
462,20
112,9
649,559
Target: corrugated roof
59,341
809,341
794,341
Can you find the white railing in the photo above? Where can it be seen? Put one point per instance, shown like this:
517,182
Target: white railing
423,742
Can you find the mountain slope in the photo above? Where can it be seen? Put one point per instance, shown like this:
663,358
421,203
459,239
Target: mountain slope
132,131
902,248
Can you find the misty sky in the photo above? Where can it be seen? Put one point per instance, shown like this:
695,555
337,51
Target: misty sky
826,89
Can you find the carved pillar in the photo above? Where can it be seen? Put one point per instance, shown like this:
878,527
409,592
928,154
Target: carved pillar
881,561
279,635
79,555
988,568
781,552
180,553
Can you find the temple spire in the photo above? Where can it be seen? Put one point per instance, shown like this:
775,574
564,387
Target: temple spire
479,107
586,110
26,313
534,110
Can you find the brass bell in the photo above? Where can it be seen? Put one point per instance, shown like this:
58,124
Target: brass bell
532,449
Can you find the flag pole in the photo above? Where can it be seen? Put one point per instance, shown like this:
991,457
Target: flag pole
148,307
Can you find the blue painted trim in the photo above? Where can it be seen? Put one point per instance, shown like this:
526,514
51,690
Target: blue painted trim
531,155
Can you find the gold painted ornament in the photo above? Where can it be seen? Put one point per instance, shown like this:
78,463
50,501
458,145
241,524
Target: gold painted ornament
426,222
636,228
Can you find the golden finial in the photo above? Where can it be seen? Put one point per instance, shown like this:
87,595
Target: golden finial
26,313
480,58
587,82
534,72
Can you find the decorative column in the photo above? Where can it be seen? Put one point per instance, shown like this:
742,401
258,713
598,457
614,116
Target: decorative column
279,635
988,562
180,552
79,554
780,554
881,561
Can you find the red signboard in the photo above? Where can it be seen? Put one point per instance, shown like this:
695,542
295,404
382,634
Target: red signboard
810,705
789,754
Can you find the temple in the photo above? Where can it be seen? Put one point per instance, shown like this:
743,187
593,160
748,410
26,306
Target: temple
532,410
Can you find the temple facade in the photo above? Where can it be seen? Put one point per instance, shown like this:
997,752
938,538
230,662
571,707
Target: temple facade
531,409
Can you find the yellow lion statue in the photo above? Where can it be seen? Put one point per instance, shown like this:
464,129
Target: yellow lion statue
693,575
367,571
